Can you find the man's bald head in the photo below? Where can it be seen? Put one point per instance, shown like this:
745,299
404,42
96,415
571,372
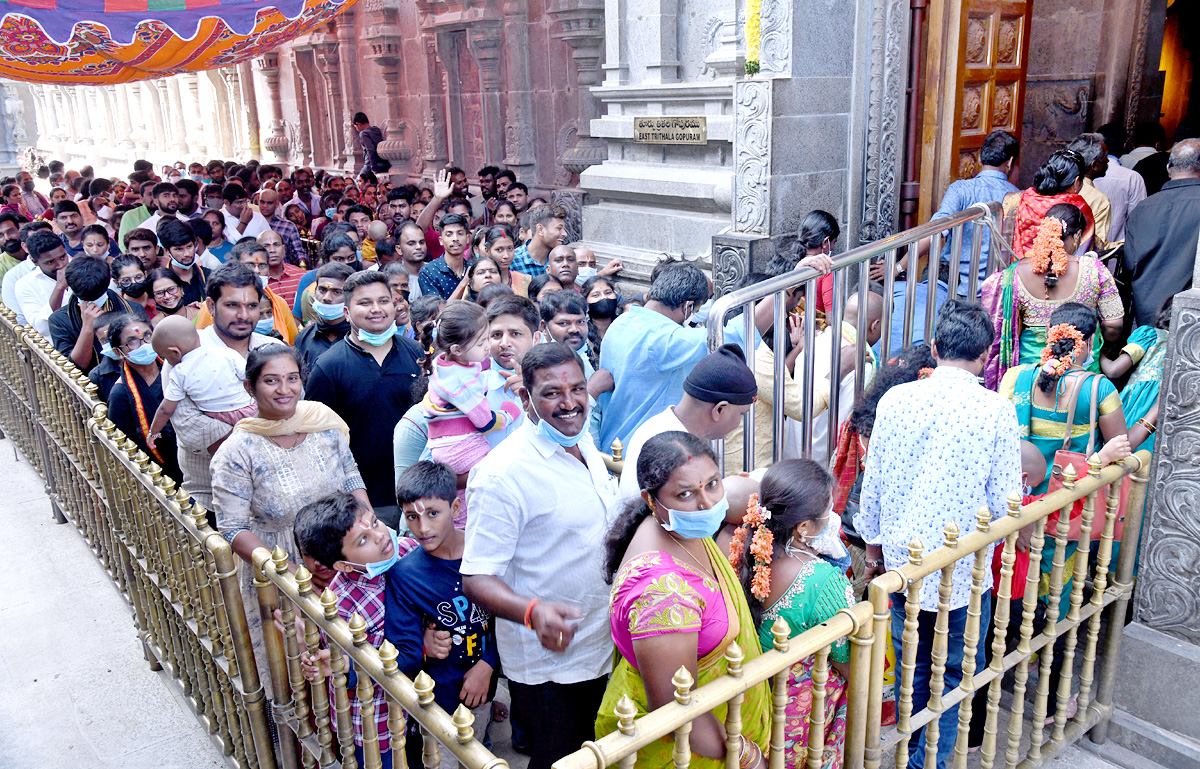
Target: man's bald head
1184,162
874,312
271,241
268,202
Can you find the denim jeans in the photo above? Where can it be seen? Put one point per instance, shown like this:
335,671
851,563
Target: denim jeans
948,723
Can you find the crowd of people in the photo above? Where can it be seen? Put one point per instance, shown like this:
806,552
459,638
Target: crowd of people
410,390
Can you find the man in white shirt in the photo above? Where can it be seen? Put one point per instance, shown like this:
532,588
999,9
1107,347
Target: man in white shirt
540,506
39,293
241,221
941,449
234,294
1124,187
716,395
165,200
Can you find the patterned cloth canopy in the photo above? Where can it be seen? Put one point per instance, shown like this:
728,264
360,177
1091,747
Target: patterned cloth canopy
99,42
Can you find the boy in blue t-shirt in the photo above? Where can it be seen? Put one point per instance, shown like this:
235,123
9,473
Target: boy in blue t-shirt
425,588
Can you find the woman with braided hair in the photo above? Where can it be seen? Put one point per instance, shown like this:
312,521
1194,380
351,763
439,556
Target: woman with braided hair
1020,299
792,566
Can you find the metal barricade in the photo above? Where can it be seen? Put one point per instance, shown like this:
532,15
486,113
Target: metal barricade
318,722
851,278
178,575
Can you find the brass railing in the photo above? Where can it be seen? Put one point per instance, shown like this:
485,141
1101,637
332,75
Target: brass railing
177,574
866,624
321,723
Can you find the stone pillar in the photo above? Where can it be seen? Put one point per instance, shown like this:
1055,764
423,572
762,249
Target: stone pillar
483,39
1159,670
654,29
158,93
383,37
433,142
276,141
238,116
197,136
179,130
518,128
348,51
124,125
325,47
248,105
583,30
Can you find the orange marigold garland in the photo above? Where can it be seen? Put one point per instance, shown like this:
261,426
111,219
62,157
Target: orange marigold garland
762,547
924,373
1060,365
1047,252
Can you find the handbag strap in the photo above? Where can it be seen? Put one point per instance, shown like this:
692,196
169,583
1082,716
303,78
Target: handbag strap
1093,418
1072,400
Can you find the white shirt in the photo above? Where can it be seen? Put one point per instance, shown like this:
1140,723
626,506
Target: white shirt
537,520
941,449
1136,155
152,223
257,226
655,425
212,377
33,298
1125,188
8,289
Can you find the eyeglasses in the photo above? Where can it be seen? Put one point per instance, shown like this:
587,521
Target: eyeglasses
172,291
136,342
129,283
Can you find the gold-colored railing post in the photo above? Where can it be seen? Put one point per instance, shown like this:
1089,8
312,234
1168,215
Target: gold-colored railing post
940,652
908,655
1046,655
320,697
733,716
1099,587
1016,722
339,666
816,719
779,697
859,686
1123,584
397,740
626,712
1000,621
430,754
268,602
366,697
971,640
880,619
682,755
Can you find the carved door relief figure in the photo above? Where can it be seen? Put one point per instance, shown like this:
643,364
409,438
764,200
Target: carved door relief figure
978,51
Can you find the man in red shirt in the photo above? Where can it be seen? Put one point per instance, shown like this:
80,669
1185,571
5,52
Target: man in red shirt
284,278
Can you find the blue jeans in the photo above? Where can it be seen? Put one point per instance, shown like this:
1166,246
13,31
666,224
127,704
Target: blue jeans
385,758
948,723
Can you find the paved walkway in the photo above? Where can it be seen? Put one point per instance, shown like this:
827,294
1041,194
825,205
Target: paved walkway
74,689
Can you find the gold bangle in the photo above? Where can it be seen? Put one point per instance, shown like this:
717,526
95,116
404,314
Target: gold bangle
1147,425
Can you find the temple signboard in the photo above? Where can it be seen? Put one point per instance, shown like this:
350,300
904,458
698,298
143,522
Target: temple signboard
670,130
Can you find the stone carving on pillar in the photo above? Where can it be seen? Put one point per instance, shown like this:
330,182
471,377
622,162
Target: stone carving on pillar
752,157
572,200
722,59
383,38
1137,63
277,142
14,116
885,118
1166,598
519,151
433,144
775,48
485,41
348,53
233,87
733,255
325,47
582,24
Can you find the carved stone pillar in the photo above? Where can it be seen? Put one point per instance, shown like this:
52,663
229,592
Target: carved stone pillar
582,24
383,38
325,47
197,136
124,125
433,143
179,130
238,143
249,107
162,132
348,51
485,42
519,153
657,23
276,141
735,255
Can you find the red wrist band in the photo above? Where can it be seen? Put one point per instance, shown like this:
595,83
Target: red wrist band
529,613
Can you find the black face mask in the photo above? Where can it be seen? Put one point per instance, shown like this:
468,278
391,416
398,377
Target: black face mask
169,308
27,186
12,246
135,290
605,308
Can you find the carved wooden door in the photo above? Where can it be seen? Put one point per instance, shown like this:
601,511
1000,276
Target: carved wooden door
975,84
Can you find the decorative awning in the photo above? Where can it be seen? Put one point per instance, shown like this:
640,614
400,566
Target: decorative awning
101,42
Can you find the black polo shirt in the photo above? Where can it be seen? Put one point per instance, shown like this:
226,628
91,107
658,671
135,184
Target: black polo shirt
66,323
437,278
372,399
196,290
312,341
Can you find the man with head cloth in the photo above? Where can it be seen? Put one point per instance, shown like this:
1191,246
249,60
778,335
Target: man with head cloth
716,394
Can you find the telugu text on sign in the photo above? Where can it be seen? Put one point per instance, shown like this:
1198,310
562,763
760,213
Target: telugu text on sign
670,130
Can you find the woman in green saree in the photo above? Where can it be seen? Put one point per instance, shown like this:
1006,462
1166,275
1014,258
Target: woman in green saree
676,602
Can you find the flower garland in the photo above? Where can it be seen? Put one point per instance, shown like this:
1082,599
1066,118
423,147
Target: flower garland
753,35
762,546
1047,252
924,373
1057,366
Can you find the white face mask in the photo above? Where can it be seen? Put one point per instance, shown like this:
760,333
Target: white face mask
104,213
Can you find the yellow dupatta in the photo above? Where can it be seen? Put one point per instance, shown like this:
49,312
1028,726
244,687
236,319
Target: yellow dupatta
756,706
310,417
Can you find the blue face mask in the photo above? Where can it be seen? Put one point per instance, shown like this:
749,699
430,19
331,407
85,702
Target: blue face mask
142,356
98,302
696,524
585,274
373,570
551,433
329,312
329,212
180,265
264,325
377,339
107,351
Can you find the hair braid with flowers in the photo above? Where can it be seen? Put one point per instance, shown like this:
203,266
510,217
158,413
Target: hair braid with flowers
1047,255
1071,326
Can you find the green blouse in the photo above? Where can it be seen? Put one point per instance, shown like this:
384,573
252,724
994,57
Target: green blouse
819,592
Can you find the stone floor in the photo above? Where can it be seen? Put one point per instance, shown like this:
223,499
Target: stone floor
74,688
